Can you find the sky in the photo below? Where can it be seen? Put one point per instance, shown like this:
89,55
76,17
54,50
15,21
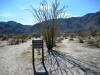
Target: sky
14,10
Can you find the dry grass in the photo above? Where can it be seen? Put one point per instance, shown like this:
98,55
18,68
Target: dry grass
15,39
59,39
94,43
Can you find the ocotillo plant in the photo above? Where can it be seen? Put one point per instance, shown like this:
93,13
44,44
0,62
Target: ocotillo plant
47,16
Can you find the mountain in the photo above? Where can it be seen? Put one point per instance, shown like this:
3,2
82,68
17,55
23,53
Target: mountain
85,23
12,27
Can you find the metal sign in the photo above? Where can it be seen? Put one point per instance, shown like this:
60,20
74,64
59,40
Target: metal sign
37,43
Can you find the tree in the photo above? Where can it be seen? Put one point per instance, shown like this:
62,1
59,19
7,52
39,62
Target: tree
47,17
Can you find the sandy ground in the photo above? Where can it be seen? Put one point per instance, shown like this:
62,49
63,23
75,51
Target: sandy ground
82,52
89,56
16,59
12,61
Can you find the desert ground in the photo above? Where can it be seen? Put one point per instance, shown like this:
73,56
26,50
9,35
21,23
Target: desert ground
70,58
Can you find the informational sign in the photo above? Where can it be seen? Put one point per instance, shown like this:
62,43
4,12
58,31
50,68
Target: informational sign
37,43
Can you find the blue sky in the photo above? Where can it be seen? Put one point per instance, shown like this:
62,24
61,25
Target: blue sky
13,10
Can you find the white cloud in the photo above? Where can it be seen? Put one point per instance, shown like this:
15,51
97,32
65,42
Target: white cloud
66,15
21,7
45,6
6,15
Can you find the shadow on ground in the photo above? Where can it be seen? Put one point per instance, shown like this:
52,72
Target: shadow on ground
59,63
40,73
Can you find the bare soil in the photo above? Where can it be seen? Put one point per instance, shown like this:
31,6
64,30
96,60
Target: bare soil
80,59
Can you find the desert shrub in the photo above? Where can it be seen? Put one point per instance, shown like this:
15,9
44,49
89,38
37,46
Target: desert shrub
59,35
64,35
71,39
29,37
89,37
66,38
12,42
95,43
10,35
59,40
71,36
19,36
1,36
24,37
36,35
80,40
4,37
82,35
93,33
16,41
23,40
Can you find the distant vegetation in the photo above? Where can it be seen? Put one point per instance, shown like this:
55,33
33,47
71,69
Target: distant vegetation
15,39
91,39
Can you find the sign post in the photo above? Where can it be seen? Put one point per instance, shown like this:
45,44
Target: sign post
37,44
